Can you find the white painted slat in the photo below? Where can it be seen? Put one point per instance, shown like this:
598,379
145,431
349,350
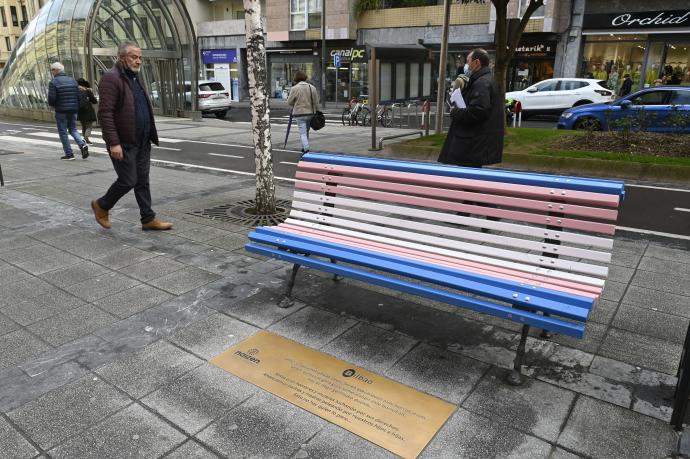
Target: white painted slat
564,236
525,268
505,241
555,263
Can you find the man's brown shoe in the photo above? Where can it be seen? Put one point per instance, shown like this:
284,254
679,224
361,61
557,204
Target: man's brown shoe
101,215
156,225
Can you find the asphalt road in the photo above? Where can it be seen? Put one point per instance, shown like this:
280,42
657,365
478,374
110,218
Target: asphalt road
646,208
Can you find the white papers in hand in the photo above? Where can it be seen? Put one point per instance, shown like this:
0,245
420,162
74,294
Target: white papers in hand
457,100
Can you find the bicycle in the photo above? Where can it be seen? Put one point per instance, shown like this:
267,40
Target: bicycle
355,113
384,116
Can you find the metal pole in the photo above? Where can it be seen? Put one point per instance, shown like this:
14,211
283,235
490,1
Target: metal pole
324,56
441,96
373,95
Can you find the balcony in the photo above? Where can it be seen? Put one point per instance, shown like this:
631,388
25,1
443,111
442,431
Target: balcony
424,16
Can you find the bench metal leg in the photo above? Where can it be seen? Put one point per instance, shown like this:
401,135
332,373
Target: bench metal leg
287,300
2,180
336,277
515,377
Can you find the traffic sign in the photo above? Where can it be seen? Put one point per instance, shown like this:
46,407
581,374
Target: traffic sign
336,60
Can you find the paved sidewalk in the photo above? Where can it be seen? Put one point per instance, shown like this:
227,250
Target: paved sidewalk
105,337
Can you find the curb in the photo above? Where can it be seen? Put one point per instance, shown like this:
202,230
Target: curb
561,165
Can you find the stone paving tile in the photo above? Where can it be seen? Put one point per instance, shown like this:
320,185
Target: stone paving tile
250,303
643,351
152,268
191,450
263,426
213,335
665,282
133,432
23,290
42,265
595,386
589,432
17,388
125,257
74,274
662,266
68,410
29,311
202,234
32,252
620,274
560,453
156,365
603,312
12,444
668,253
613,291
178,313
99,287
15,242
59,355
199,398
72,324
370,347
656,300
19,346
594,336
94,249
312,327
184,280
536,407
10,274
229,241
334,442
113,350
7,325
438,372
469,435
651,323
132,300
625,259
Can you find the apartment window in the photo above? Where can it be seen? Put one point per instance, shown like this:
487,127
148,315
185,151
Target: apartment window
538,13
25,15
7,43
13,13
4,18
305,14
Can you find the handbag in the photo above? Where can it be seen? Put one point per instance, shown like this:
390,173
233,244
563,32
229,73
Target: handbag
318,121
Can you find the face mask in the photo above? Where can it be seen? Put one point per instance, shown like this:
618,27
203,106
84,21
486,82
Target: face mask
466,70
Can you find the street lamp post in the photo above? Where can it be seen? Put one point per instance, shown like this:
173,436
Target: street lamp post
441,96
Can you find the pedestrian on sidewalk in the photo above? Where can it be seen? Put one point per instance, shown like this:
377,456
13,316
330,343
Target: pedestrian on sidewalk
63,96
126,117
304,100
86,115
475,138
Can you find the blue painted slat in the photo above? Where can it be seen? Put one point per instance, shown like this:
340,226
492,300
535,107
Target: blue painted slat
613,187
422,274
474,304
542,292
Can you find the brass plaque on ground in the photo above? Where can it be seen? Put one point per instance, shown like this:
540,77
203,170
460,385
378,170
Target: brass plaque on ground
387,413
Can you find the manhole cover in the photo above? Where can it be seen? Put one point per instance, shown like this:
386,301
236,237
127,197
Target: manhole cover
237,212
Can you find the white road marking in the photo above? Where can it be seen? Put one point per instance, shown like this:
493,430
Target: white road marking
238,146
51,135
287,162
194,166
655,233
165,148
226,156
160,139
680,209
657,188
8,138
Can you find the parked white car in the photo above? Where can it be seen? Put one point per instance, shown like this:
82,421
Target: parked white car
212,97
551,97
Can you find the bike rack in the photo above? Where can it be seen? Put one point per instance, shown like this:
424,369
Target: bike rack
419,133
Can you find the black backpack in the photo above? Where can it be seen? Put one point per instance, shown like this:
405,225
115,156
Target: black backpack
318,121
84,101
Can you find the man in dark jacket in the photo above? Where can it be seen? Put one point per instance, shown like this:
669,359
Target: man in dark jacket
626,87
126,117
63,96
475,137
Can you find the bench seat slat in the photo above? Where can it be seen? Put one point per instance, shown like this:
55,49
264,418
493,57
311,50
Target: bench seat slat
450,194
515,228
459,233
487,270
475,304
556,263
494,175
590,284
567,305
542,191
589,226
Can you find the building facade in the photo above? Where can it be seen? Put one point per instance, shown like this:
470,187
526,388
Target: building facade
14,17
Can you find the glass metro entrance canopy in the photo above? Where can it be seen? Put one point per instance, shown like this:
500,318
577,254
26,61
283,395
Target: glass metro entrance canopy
84,36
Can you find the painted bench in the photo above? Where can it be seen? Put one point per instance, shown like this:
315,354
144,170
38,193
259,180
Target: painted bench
530,248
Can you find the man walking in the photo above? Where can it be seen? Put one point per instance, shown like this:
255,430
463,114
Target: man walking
626,87
128,127
475,137
63,96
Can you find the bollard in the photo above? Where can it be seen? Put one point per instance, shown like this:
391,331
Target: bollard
518,112
426,115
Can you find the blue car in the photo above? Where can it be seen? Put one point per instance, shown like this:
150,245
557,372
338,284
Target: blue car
655,109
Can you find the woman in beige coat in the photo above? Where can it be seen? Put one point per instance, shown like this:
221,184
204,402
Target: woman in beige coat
304,100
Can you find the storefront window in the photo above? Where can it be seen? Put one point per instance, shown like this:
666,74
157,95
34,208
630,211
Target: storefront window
610,57
677,64
282,75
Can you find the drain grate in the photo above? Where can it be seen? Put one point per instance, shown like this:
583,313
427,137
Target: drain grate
237,212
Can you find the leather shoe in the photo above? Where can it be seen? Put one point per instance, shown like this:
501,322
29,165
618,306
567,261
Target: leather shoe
156,225
101,215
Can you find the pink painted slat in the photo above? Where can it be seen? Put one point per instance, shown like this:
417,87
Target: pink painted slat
479,268
544,206
593,227
580,197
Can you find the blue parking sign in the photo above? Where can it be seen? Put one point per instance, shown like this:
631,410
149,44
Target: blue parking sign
336,60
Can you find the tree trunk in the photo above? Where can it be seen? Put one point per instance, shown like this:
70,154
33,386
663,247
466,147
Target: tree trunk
258,95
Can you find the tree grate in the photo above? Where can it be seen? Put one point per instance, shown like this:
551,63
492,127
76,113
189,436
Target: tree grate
238,213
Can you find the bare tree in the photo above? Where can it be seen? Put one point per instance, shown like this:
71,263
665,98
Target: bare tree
258,94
